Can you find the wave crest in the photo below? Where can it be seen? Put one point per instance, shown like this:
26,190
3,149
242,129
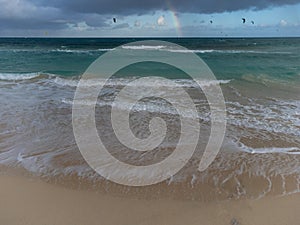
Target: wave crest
18,76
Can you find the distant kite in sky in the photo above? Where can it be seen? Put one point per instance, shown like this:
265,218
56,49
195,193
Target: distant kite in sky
252,22
211,21
244,20
115,20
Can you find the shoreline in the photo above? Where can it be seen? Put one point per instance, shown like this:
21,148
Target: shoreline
44,179
31,201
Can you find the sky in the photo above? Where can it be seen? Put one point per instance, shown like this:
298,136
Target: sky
151,18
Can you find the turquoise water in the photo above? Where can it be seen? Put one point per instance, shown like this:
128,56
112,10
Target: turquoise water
260,79
228,58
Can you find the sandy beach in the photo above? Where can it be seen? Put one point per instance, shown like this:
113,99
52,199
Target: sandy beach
29,201
46,179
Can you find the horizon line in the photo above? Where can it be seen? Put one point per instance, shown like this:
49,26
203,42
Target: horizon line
150,37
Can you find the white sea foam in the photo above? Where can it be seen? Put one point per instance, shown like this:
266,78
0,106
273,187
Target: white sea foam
59,50
127,81
70,51
190,51
66,82
268,150
64,49
18,76
279,117
143,47
224,51
86,51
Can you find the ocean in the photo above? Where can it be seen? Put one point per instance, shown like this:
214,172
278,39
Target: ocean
260,80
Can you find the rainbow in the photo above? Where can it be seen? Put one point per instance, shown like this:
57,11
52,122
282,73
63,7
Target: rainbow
176,21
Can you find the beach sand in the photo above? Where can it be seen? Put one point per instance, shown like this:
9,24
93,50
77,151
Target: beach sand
29,201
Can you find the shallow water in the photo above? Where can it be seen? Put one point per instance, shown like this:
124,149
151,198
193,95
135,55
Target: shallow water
260,79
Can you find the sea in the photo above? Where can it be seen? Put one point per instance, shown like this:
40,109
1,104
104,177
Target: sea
260,81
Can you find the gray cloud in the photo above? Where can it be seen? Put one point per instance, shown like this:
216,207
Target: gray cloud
26,14
121,26
92,14
126,7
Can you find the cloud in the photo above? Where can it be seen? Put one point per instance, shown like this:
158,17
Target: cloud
28,15
121,26
283,23
82,15
22,9
127,7
81,26
137,23
161,21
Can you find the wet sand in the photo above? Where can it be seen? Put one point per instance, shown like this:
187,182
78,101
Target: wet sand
29,201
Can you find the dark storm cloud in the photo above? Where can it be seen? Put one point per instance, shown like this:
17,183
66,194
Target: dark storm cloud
68,14
31,24
25,14
126,7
